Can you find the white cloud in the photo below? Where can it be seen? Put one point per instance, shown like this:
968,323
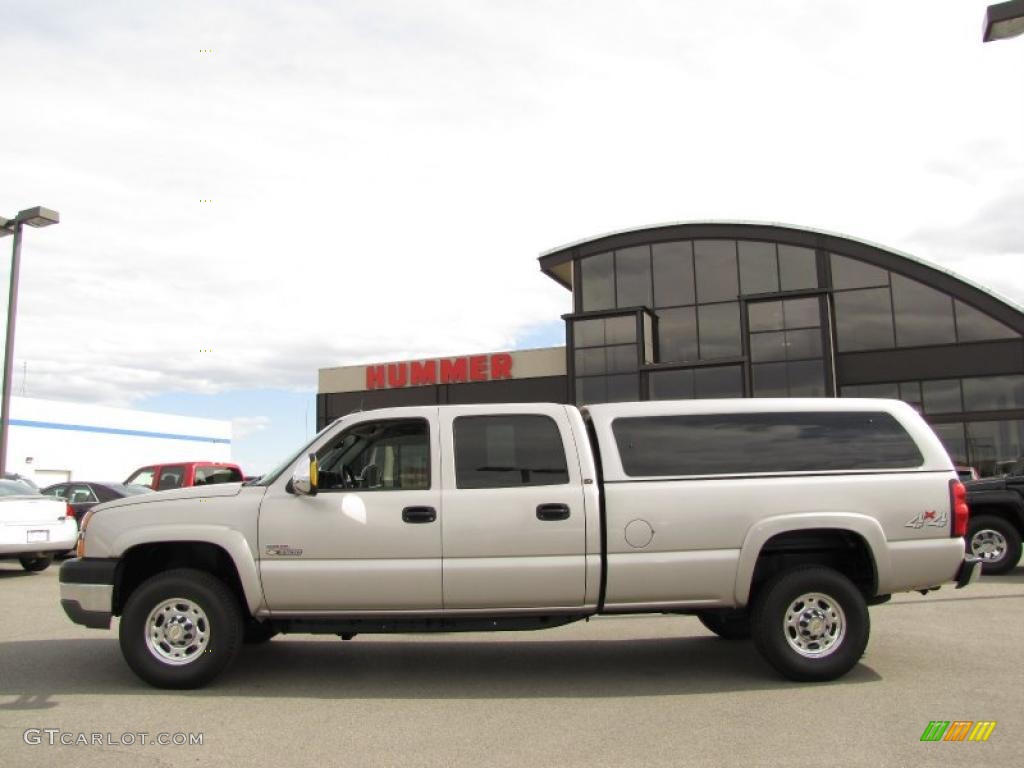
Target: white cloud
383,174
246,426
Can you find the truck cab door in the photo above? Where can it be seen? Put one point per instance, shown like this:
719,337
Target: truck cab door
370,539
514,533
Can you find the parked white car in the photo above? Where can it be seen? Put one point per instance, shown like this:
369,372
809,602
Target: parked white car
33,527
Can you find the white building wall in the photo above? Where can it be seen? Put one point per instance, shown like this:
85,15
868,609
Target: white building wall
51,440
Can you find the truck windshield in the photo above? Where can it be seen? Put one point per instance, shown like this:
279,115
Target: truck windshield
275,473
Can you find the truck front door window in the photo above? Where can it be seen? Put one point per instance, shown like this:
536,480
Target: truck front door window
392,455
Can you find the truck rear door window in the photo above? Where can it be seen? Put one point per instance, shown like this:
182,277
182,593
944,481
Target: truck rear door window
747,443
508,451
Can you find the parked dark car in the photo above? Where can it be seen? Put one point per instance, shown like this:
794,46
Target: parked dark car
82,496
996,523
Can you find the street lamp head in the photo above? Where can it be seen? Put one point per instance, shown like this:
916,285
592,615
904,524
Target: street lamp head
1004,20
38,217
4,231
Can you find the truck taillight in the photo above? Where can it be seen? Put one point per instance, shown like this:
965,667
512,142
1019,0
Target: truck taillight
958,507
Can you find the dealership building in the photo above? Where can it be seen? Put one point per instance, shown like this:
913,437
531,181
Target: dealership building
704,310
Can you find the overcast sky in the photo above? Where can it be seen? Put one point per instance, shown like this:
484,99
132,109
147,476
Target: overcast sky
381,176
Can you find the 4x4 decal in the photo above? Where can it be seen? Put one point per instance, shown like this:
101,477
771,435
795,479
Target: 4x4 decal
931,517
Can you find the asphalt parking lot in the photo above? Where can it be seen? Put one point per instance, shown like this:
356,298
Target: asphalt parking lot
658,691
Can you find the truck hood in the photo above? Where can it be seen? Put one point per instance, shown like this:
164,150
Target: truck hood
195,492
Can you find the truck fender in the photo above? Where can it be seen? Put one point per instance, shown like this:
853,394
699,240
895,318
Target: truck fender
867,527
1006,499
228,539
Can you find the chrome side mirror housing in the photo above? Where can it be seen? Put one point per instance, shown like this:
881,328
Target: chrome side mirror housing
304,479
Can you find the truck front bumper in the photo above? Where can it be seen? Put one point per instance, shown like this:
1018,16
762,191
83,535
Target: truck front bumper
970,570
87,591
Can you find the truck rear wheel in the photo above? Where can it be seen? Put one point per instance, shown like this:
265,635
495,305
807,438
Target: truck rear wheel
727,623
180,629
995,541
811,624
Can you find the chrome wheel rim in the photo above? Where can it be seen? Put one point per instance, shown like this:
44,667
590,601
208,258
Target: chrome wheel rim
989,545
177,631
814,625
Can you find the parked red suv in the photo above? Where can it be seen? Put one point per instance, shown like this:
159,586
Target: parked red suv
160,477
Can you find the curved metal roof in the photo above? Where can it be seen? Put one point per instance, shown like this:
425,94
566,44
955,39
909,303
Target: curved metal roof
941,278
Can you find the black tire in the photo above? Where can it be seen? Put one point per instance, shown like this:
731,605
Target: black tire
35,563
257,632
997,556
216,620
825,659
727,623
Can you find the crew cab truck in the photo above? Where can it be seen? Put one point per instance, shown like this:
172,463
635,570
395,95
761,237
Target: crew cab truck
780,519
997,520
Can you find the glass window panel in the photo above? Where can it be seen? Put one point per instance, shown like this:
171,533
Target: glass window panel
993,447
721,381
671,385
623,388
673,274
677,334
910,392
591,361
593,389
801,345
508,451
974,325
806,378
853,273
993,393
598,281
765,316
378,455
798,268
864,320
633,276
715,264
766,347
759,267
942,396
588,333
622,359
923,315
744,443
648,326
719,331
952,436
620,330
850,390
769,380
890,391
802,313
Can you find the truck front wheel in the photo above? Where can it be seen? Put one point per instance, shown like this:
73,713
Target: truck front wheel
995,541
811,624
180,629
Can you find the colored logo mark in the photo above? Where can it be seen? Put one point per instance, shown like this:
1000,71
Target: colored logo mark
958,730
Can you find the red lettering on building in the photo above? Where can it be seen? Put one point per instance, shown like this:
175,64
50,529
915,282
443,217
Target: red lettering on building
398,375
478,368
424,372
501,366
375,377
453,370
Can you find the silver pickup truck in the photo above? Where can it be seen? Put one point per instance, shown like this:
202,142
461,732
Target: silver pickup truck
777,519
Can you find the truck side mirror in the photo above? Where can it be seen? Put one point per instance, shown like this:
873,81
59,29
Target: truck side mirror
305,477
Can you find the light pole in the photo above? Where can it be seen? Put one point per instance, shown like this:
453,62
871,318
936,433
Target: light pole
1004,20
34,217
